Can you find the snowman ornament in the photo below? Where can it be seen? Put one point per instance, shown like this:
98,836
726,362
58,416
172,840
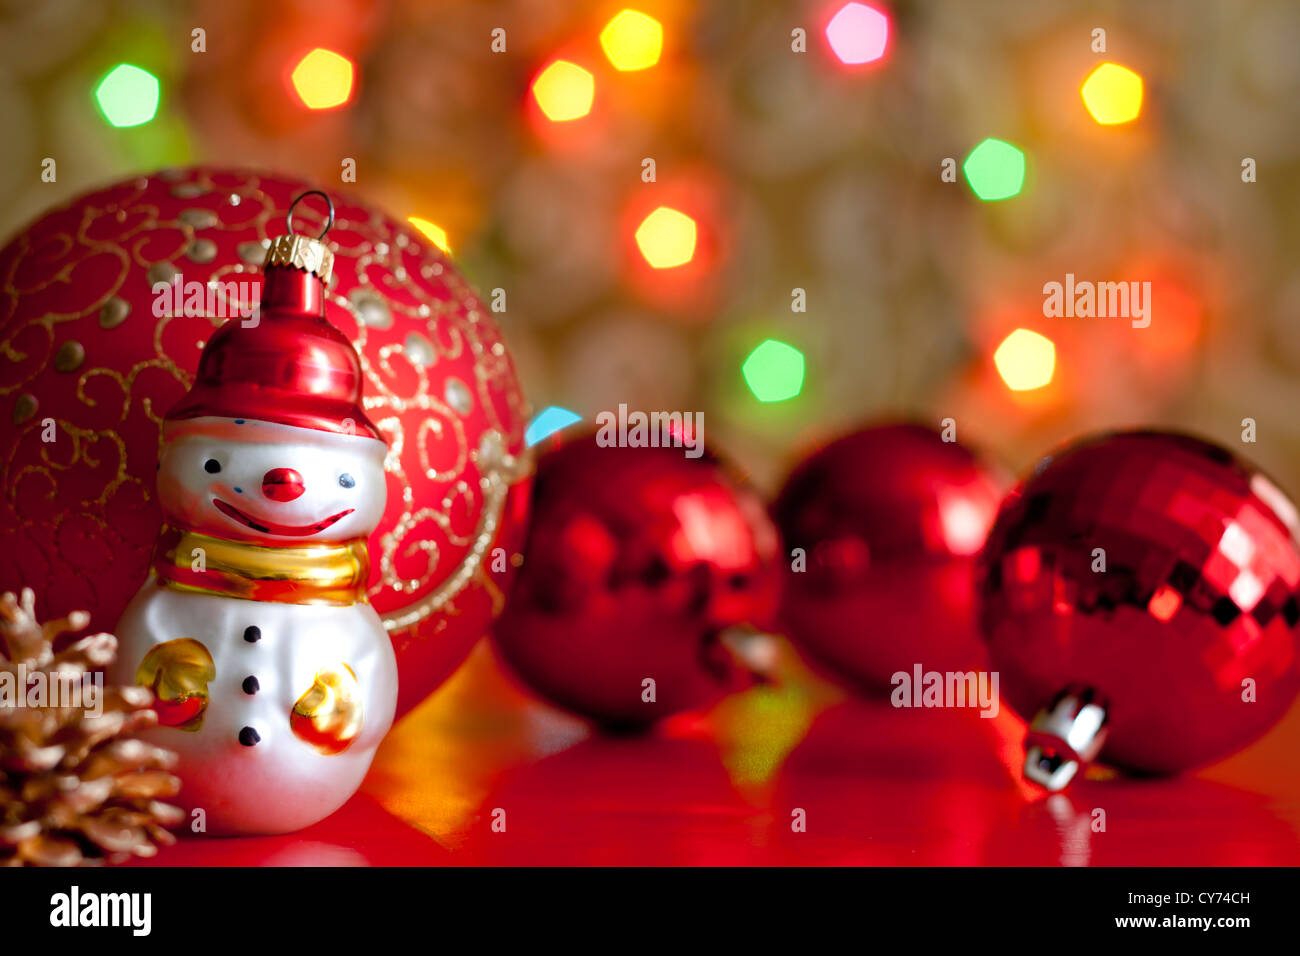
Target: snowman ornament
275,680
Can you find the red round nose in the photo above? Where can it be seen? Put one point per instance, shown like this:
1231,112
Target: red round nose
282,484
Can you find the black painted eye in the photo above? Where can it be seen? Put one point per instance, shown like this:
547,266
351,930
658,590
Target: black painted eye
346,480
212,466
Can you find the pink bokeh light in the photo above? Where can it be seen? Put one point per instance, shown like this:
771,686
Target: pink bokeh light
858,33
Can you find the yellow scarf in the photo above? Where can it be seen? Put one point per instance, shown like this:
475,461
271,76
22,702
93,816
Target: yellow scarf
324,573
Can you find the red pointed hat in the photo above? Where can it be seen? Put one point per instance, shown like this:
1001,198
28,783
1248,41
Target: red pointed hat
286,364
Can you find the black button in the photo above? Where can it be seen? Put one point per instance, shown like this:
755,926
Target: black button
249,737
252,634
251,686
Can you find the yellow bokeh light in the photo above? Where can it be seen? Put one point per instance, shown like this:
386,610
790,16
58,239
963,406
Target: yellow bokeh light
435,234
564,91
323,79
666,238
632,40
1112,94
1025,360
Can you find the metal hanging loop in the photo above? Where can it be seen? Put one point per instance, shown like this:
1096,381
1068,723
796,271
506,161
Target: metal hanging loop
328,202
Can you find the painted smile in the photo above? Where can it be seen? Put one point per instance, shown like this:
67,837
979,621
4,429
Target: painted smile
271,527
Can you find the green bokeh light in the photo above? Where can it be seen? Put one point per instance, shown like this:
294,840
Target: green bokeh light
128,95
774,371
995,170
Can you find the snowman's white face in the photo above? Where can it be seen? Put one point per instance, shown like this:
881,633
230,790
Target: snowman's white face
240,478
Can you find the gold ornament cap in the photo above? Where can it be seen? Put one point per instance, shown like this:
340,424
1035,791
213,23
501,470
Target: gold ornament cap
306,253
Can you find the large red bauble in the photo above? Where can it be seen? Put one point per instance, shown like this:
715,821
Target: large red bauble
1189,636
85,358
638,562
889,520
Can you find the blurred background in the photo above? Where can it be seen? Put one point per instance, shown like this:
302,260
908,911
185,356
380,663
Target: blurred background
789,218
519,131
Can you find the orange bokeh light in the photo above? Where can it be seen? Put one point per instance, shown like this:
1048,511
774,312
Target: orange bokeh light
431,231
666,238
632,40
323,79
1026,360
564,91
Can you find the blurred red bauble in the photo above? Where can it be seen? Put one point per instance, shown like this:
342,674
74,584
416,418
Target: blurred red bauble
889,520
91,356
639,564
1140,599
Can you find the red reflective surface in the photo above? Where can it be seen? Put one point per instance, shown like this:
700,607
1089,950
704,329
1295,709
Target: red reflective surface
875,785
361,833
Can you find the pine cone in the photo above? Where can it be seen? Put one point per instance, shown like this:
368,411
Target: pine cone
74,788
